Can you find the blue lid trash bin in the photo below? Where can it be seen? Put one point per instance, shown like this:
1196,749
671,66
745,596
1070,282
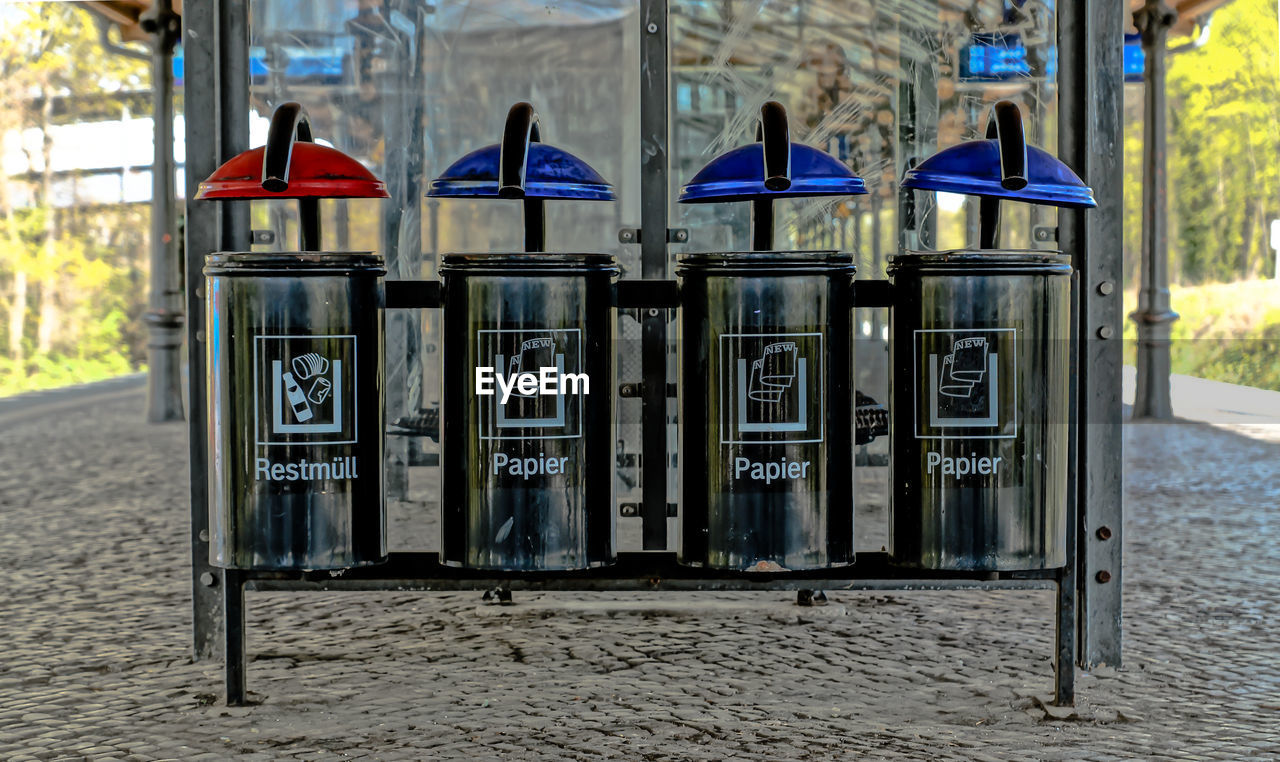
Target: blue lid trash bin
766,479
527,412
980,353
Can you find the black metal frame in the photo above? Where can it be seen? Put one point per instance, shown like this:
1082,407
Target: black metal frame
216,38
643,571
634,572
1090,114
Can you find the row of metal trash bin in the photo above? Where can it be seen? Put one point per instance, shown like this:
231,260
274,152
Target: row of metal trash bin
980,350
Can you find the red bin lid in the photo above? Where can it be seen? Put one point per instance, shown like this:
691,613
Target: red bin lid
316,171
303,169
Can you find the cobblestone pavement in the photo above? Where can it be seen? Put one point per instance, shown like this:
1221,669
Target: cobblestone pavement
94,617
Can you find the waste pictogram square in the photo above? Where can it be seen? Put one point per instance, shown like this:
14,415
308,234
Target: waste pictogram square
966,383
771,387
305,389
512,353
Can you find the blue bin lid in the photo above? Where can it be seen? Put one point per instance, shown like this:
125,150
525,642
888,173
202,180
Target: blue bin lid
739,175
973,169
550,172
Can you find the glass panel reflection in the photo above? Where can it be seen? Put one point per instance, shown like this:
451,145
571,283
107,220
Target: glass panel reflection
878,85
407,87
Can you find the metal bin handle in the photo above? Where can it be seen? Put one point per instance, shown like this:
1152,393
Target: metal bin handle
520,130
290,123
774,133
1005,127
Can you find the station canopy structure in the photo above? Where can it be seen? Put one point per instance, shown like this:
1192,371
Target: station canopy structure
126,15
1190,12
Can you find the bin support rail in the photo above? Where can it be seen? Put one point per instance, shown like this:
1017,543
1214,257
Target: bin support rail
637,571
633,572
425,294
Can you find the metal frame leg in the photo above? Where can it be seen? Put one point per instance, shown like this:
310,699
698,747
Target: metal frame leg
216,44
234,657
1091,97
653,265
1064,652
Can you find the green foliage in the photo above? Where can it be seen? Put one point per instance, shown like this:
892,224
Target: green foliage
1224,140
51,371
1227,332
101,289
53,48
72,279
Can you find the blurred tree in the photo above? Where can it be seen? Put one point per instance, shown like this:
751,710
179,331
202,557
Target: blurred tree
1223,147
52,71
16,265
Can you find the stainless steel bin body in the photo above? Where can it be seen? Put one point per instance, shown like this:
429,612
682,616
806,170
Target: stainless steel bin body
765,456
527,475
295,380
979,399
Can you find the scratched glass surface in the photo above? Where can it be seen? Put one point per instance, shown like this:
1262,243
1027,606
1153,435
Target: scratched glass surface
879,85
408,86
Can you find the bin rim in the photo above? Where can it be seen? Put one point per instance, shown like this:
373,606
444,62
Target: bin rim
981,258
293,262
530,262
761,262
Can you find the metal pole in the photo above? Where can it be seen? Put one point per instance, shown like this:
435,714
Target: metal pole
233,110
402,107
216,49
203,224
234,663
1091,93
1064,635
164,319
1154,316
653,265
972,204
1039,215
917,109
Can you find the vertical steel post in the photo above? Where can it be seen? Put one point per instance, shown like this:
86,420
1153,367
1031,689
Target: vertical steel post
1091,100
235,662
654,208
1064,635
871,365
403,126
1154,316
164,317
233,110
917,127
973,204
396,460
202,234
1037,126
1066,631
216,90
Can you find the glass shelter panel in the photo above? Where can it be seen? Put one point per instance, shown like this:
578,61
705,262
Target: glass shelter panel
881,85
877,84
409,86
